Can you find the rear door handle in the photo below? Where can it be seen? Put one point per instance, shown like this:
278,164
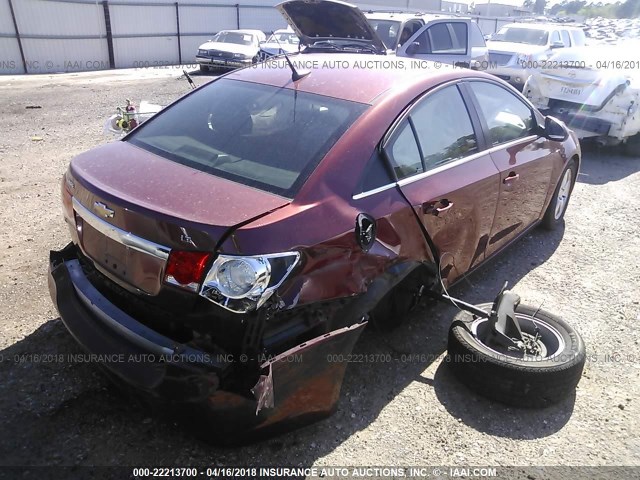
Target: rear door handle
431,208
511,178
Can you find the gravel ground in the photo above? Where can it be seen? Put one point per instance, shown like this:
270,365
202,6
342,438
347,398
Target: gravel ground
406,413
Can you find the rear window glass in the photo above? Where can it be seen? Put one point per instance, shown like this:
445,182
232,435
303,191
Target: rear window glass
258,135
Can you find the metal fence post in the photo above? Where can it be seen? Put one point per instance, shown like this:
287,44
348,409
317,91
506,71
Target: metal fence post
15,26
178,30
238,15
107,24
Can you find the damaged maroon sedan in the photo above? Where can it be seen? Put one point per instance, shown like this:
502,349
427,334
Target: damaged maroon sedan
235,243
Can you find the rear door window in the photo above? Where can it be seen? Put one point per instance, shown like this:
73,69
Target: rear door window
566,38
403,152
443,128
437,131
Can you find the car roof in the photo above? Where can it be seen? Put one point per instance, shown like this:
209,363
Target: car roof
358,83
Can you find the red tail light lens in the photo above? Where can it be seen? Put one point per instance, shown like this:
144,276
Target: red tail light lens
186,269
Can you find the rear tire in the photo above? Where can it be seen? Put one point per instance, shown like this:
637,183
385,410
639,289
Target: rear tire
204,68
554,215
509,377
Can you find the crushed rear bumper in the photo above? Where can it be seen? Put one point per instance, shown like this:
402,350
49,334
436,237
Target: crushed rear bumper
294,388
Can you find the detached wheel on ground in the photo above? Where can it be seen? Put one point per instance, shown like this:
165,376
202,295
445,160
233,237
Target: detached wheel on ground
512,377
558,205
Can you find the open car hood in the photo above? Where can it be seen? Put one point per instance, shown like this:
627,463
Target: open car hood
321,20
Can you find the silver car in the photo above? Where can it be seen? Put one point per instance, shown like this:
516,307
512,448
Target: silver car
518,49
334,26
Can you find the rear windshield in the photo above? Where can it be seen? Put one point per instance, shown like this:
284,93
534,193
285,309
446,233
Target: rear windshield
258,135
234,37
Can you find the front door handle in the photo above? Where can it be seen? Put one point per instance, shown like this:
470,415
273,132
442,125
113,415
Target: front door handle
512,177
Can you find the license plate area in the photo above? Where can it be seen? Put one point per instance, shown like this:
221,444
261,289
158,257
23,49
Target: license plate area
571,90
133,263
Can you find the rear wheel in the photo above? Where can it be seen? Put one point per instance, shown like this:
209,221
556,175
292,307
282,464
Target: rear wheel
547,372
558,205
399,302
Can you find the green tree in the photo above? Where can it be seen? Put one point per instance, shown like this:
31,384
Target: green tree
628,9
539,6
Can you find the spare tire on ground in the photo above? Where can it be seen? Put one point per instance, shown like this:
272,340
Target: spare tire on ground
512,377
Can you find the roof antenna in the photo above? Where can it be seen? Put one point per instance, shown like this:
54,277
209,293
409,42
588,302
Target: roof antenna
295,74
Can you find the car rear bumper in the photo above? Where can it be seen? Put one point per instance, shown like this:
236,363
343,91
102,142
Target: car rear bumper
222,62
294,388
135,354
585,123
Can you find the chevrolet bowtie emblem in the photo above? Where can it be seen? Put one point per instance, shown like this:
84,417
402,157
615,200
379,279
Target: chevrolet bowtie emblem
102,210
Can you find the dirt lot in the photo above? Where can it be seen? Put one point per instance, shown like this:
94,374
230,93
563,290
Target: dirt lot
406,413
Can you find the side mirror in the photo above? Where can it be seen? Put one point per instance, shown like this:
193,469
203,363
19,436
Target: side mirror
412,49
557,45
554,130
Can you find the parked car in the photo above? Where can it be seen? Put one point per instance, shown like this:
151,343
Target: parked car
279,42
233,247
230,49
518,49
330,25
595,90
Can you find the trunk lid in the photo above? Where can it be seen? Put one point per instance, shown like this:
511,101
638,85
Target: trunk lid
580,85
132,207
327,20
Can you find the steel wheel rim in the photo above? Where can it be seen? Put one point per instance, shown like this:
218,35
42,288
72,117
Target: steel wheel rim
552,341
563,194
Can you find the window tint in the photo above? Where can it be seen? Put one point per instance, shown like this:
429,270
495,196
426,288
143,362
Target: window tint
459,35
444,38
506,116
443,128
266,137
376,174
403,152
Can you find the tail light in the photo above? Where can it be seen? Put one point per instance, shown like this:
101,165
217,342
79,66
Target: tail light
67,188
186,269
